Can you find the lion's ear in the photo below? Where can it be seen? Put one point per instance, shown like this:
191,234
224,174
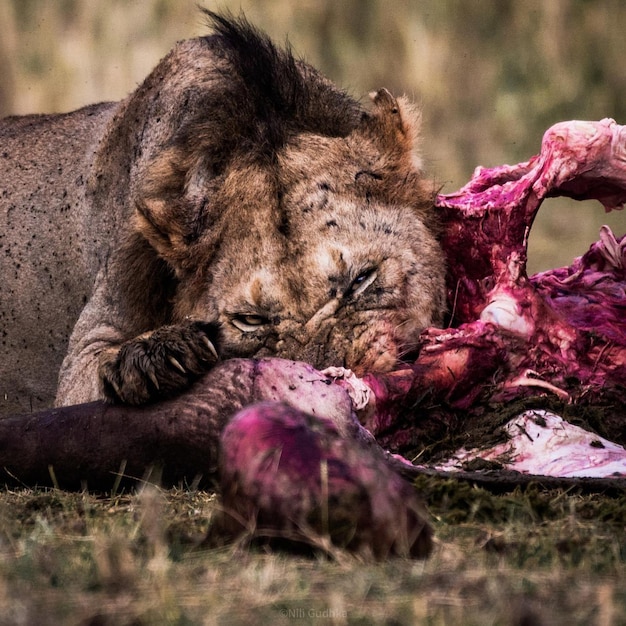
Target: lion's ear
390,133
168,214
393,124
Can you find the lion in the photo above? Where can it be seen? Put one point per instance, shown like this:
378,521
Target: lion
237,204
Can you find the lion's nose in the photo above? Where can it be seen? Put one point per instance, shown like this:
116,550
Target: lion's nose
313,341
297,334
322,315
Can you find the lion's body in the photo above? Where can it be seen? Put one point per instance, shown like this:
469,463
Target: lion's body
236,198
45,272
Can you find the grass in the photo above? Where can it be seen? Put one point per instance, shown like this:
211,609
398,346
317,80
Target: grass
524,557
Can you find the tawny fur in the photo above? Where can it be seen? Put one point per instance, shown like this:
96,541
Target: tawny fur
236,199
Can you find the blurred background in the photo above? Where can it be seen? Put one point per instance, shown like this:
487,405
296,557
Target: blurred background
490,75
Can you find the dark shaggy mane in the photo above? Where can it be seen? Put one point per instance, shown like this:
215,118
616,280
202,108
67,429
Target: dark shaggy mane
282,95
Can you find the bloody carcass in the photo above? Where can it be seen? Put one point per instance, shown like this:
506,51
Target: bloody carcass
558,337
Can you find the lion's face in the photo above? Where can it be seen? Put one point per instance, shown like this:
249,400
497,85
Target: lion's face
354,286
324,257
291,215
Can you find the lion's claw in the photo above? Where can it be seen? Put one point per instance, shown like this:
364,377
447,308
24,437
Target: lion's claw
161,364
176,364
210,346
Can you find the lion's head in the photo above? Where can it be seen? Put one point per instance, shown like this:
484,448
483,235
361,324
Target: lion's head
296,218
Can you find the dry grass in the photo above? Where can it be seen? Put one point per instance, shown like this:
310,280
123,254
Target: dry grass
527,557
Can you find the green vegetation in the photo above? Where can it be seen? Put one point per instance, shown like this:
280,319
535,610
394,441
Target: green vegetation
525,557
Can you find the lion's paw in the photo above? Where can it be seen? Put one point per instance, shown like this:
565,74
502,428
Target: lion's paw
160,364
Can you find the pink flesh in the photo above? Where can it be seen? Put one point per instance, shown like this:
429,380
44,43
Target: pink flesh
571,321
561,333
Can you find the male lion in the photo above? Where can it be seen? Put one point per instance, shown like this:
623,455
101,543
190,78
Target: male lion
237,203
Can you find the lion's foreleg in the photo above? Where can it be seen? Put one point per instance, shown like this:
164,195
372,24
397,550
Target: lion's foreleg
111,358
